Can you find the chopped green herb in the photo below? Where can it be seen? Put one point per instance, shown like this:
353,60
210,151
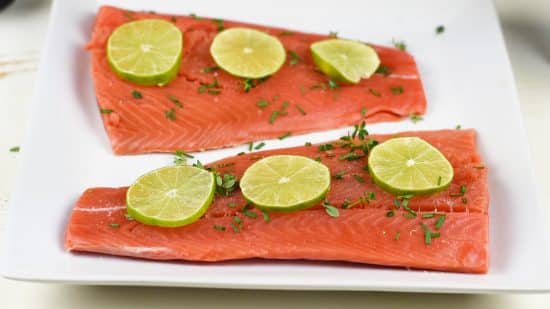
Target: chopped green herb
397,203
170,114
136,94
358,178
399,45
181,153
210,69
363,111
128,217
397,235
374,92
301,110
235,228
427,234
286,32
195,16
273,117
250,214
390,213
219,23
211,88
350,156
15,149
225,184
458,127
332,84
428,215
308,144
240,153
333,34
416,118
265,214
384,70
282,137
259,146
284,106
248,84
232,204
180,157
439,222
294,58
346,203
114,225
105,111
175,101
250,146
219,227
325,147
262,103
409,215
439,179
237,220
440,29
318,159
461,193
397,90
371,196
128,15
340,175
331,210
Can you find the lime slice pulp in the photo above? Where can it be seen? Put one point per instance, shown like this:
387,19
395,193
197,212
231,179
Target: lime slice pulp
146,52
248,53
285,183
171,196
409,165
345,60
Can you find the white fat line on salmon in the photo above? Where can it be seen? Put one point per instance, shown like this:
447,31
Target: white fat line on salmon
100,209
403,76
139,250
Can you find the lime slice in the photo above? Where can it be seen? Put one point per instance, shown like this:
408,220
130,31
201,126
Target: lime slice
345,60
146,52
171,196
248,53
285,183
409,165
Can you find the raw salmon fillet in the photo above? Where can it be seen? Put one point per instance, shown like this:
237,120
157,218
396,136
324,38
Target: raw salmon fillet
227,115
362,234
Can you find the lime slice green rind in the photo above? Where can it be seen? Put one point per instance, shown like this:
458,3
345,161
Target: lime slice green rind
345,60
285,183
146,52
248,53
409,165
172,196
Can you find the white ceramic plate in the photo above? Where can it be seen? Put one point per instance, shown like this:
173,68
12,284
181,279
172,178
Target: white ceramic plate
467,79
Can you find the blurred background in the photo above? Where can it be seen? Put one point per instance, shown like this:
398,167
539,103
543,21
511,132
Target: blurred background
23,23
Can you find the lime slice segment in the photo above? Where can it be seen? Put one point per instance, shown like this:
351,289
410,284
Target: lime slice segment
171,196
248,53
345,60
285,183
409,165
146,52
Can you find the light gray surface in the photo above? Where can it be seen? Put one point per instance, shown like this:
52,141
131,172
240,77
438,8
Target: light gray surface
527,31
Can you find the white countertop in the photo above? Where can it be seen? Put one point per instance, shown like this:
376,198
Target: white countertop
22,26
